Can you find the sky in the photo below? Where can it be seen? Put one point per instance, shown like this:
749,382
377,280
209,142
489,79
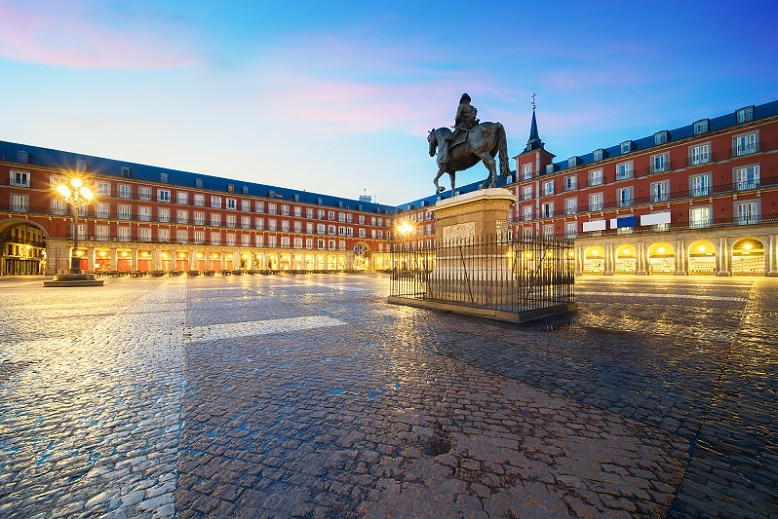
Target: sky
337,97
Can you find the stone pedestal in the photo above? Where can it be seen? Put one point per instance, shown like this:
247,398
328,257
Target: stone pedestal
479,213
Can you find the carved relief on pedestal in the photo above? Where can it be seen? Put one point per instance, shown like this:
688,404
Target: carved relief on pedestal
458,232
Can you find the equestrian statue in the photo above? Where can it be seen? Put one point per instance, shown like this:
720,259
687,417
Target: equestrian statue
470,142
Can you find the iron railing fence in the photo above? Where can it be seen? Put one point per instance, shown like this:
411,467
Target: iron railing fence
515,277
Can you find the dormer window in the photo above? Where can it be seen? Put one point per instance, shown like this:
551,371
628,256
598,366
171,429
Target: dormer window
701,126
549,168
22,157
661,137
80,165
598,154
745,115
572,162
627,146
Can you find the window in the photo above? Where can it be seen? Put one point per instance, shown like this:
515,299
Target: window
199,236
598,154
20,178
624,170
216,202
526,192
595,202
163,195
595,177
164,178
526,212
548,209
231,203
22,157
126,172
548,188
285,241
144,193
271,208
245,206
216,219
245,239
660,191
747,212
309,214
80,165
571,205
103,209
125,212
182,235
285,209
699,185
20,203
321,228
259,207
285,225
272,225
182,216
571,183
624,196
526,171
747,177
259,240
571,229
199,200
232,220
58,205
125,191
245,222
659,163
627,146
526,233
259,223
745,115
700,217
745,144
199,183
104,188
144,234
144,213
699,154
216,238
182,197
163,214
199,218
163,235
701,127
245,191
102,232
230,239
298,226
660,137
123,233
548,231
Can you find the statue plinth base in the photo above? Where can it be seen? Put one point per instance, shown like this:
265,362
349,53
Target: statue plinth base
74,280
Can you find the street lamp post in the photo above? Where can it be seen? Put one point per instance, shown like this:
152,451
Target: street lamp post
77,195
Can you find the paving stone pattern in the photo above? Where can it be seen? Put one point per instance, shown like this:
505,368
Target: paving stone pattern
310,396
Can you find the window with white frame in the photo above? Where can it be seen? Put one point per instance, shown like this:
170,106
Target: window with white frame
103,188
747,177
144,213
284,209
103,209
245,206
199,217
199,200
272,224
163,195
624,170
272,208
571,183
659,163
526,212
230,239
124,212
216,219
526,171
216,201
199,237
182,216
598,154
624,196
595,202
571,229
297,243
182,197
285,225
548,188
548,230
58,206
526,192
163,214
285,241
745,115
102,232
125,191
245,222
231,203
660,137
245,240
297,211
20,203
701,127
660,191
571,205
747,212
20,178
124,233
144,193
298,226
699,154
259,240
22,157
259,223
232,220
216,238
699,185
163,235
259,206
745,144
547,209
526,233
309,213
700,216
144,234
595,177
182,236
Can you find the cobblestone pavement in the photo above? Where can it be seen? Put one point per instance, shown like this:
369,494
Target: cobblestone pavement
310,396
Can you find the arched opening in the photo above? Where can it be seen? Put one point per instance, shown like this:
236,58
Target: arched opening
702,257
661,258
594,260
22,248
748,257
626,260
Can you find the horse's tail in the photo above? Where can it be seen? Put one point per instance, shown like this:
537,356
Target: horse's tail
502,144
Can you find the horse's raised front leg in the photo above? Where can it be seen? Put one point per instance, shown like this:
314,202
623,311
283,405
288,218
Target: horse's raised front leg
438,189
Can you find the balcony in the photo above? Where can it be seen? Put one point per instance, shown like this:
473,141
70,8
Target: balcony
748,149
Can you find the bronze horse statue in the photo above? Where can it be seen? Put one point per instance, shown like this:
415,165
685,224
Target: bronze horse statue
484,141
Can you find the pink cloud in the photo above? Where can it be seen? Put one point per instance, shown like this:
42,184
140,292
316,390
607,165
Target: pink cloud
79,34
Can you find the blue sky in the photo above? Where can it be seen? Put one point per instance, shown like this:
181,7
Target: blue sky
337,97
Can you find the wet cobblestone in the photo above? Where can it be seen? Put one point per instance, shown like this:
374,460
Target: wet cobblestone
310,396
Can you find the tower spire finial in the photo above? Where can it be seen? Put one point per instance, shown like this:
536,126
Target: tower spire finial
533,100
